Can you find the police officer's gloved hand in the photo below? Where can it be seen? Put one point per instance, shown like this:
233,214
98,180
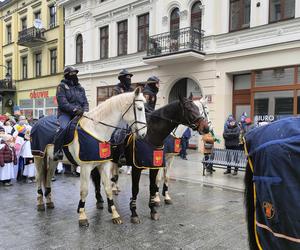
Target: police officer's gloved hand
78,112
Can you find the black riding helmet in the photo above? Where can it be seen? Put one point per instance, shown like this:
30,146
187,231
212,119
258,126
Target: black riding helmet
70,69
124,72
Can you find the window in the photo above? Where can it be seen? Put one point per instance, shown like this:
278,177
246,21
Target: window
76,8
38,64
175,20
281,10
79,49
122,38
104,93
24,67
37,15
24,23
275,77
239,14
104,42
53,61
8,34
52,11
196,16
9,67
242,81
143,31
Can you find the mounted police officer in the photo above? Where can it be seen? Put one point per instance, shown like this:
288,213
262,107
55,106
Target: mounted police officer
150,92
125,83
72,102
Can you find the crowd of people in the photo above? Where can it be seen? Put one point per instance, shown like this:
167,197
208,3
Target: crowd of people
16,160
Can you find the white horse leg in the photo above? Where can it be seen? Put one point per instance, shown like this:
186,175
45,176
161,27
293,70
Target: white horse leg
166,170
50,173
115,178
85,172
105,171
158,180
40,176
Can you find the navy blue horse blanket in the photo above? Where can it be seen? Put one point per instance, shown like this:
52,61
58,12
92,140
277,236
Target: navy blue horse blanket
274,158
90,148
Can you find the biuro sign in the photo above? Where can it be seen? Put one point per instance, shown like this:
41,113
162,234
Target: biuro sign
39,94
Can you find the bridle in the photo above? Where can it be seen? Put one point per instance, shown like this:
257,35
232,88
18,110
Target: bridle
126,111
135,116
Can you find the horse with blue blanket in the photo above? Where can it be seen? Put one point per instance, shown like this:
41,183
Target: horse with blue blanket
89,147
272,185
170,152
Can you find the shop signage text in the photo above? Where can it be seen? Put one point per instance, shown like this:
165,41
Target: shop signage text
39,94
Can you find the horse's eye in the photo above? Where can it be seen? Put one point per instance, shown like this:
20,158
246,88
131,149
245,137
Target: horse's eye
140,108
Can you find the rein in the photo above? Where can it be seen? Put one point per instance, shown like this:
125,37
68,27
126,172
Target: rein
116,127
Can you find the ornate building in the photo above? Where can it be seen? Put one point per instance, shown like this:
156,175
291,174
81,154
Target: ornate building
243,55
32,51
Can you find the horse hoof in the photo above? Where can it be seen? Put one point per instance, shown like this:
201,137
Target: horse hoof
83,223
117,221
50,205
154,216
99,205
168,202
135,220
40,207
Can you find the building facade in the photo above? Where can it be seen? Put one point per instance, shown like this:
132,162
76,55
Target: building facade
32,49
243,55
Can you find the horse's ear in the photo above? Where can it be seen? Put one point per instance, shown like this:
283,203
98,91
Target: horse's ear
137,91
181,98
191,96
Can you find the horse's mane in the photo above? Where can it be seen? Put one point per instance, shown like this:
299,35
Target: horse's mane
110,105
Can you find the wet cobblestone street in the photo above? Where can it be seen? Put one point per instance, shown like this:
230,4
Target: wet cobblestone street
200,218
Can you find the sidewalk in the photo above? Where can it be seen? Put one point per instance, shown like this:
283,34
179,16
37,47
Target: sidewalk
191,170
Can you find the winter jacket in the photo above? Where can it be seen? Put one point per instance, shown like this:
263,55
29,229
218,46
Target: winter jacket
208,143
120,88
231,136
150,95
7,155
70,97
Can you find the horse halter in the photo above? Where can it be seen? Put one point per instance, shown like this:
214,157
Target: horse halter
191,124
135,116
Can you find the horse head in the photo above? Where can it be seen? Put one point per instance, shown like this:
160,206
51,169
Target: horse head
135,114
195,114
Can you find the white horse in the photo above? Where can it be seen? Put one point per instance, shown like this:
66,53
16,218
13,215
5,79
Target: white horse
164,173
100,122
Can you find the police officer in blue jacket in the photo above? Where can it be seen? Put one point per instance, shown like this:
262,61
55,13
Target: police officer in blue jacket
150,92
72,102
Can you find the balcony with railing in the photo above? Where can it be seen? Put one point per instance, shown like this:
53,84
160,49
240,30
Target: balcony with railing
176,46
31,37
7,86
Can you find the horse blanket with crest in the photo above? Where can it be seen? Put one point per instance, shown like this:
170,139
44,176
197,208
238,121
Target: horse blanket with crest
274,158
91,149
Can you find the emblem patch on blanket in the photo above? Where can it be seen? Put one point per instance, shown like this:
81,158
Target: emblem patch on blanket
91,149
146,155
172,145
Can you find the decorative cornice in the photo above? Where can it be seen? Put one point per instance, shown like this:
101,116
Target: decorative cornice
22,11
8,19
36,5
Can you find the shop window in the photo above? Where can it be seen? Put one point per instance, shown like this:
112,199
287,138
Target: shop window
298,75
284,106
104,93
239,14
242,82
143,32
298,102
281,10
278,104
122,38
275,77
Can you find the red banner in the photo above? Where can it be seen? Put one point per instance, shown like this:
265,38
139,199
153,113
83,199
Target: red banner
158,158
177,145
104,150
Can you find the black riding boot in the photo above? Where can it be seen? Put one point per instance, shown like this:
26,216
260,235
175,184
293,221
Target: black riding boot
58,145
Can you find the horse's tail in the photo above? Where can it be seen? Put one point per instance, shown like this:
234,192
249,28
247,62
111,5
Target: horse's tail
250,208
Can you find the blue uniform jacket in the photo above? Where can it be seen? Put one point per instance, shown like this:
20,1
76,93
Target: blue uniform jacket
69,97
